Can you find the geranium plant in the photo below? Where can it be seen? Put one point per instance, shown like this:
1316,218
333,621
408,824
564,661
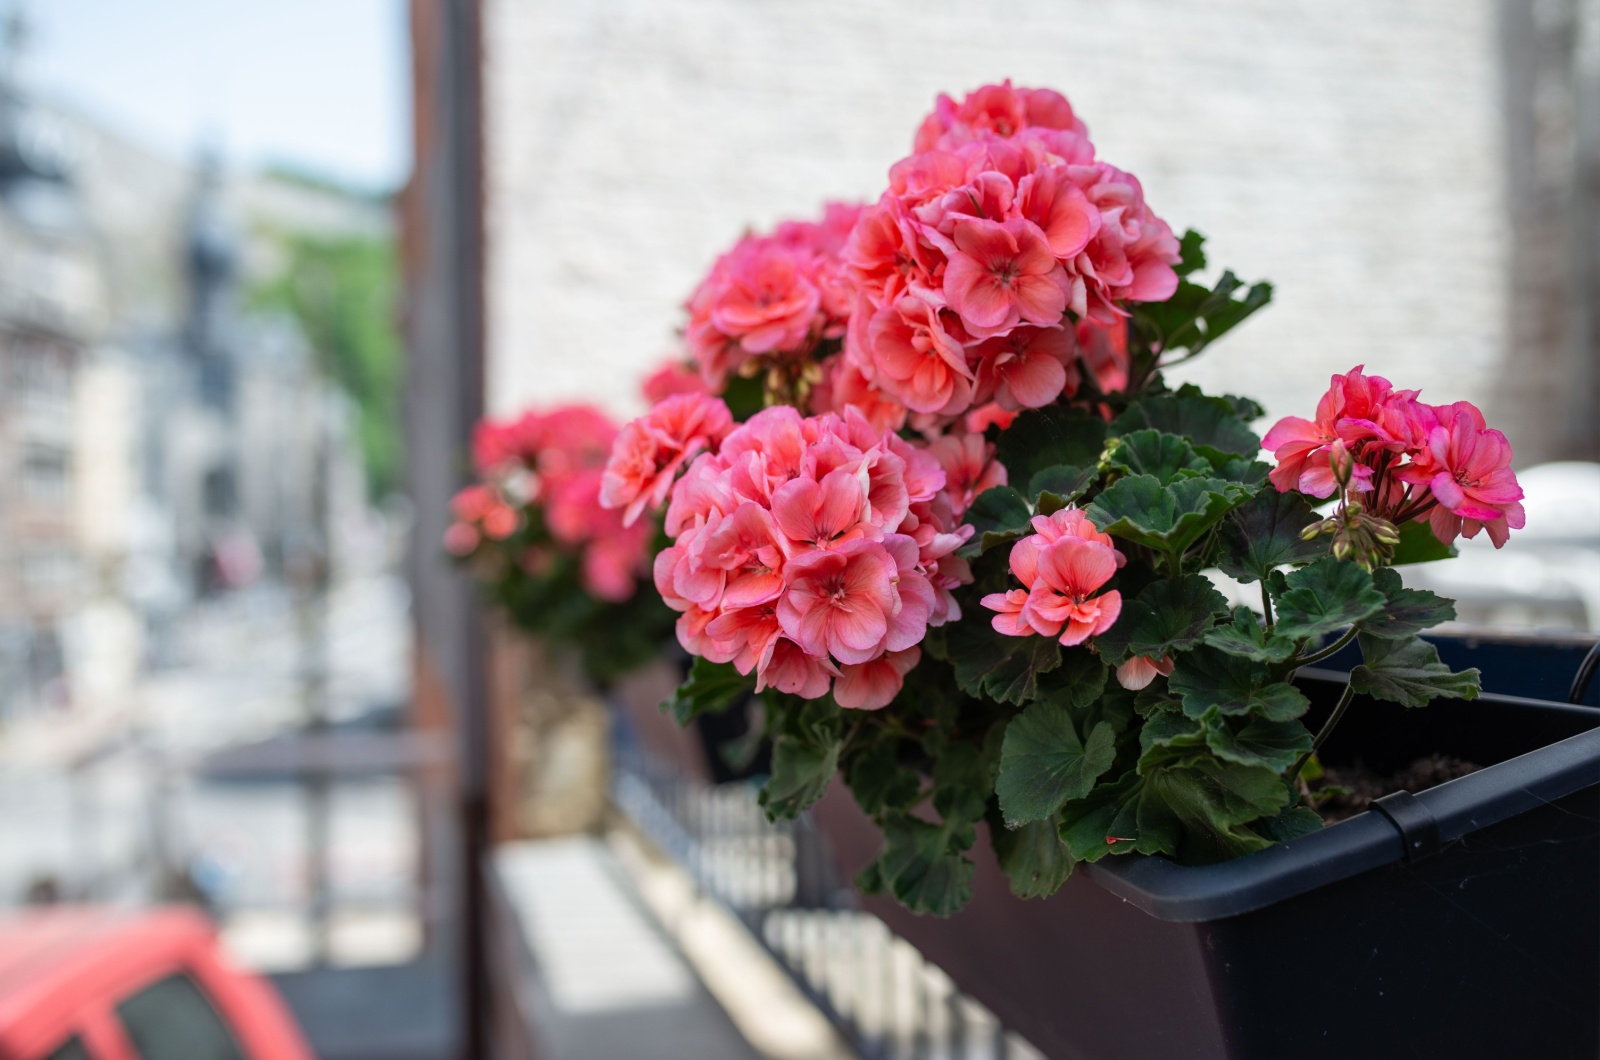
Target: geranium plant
533,532
960,544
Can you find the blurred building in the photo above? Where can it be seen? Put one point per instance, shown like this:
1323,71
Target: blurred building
52,309
160,438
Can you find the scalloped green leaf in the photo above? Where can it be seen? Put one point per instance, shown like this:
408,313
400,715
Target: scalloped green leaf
1043,762
1260,742
879,782
923,864
711,688
999,515
1196,316
1246,637
1169,518
1152,452
1058,486
1325,597
801,771
1406,612
1409,672
1033,857
1263,534
1005,669
1123,817
1291,823
1043,438
1215,802
1168,616
1206,678
1209,424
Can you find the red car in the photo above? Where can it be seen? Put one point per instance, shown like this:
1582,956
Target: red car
107,984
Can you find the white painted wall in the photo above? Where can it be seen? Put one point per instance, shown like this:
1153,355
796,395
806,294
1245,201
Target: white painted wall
1350,152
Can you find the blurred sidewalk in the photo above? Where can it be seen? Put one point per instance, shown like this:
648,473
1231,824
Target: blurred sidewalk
615,956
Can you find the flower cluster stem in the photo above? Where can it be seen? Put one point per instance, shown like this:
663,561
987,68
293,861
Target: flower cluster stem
1328,652
1324,732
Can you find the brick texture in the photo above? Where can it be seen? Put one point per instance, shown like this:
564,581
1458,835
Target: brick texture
1350,152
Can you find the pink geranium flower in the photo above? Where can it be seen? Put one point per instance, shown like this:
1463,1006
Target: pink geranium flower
1027,368
1003,274
650,451
839,601
1407,459
872,685
969,467
915,358
1064,564
1063,601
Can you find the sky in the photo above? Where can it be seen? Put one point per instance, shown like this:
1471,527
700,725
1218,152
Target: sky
322,85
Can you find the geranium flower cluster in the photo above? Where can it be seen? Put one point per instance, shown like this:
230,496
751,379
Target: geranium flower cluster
812,551
1401,459
550,464
774,296
999,225
1064,564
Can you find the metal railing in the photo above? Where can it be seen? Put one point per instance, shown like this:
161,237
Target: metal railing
883,996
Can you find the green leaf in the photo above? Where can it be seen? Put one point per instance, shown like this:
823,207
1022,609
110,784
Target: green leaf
1246,637
1128,809
1005,669
1274,744
801,771
1153,452
1043,438
1169,519
1325,597
805,752
1077,682
1194,317
1418,545
878,780
1407,612
1208,423
1215,800
964,777
1043,763
1291,823
1246,409
711,688
1191,253
922,864
1197,809
1408,672
1263,533
1241,469
1207,678
1168,735
1169,616
999,515
1033,857
1058,486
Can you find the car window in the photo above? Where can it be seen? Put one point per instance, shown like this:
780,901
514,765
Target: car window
72,1050
172,1020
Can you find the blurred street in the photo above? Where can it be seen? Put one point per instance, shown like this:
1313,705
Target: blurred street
105,804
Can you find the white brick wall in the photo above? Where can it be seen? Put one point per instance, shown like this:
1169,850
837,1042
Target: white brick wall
1350,152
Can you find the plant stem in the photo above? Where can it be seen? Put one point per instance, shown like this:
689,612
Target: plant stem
1330,650
1323,733
1266,604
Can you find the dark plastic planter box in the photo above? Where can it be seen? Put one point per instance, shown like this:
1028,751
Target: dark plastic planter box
1462,922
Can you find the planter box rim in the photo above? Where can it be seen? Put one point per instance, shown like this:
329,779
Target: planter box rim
1191,893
